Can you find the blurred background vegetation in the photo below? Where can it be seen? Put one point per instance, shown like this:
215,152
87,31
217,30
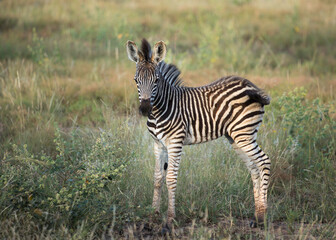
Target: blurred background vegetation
73,146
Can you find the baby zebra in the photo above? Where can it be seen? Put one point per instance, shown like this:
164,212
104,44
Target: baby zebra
178,115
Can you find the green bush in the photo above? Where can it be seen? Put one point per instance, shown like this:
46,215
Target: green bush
308,156
68,186
308,123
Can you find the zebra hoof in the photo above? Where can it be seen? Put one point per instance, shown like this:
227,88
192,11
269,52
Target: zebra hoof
255,224
165,230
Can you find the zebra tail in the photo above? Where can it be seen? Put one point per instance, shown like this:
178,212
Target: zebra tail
259,96
256,93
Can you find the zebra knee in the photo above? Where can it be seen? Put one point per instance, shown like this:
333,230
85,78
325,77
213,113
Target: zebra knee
158,183
171,183
158,177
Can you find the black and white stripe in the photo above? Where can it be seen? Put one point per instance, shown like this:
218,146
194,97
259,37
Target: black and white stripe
231,106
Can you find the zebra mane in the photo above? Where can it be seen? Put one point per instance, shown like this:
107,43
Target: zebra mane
146,50
170,73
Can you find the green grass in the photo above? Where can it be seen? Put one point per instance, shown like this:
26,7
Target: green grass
107,175
77,160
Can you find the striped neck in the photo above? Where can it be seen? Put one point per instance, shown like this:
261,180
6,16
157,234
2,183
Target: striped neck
169,73
167,86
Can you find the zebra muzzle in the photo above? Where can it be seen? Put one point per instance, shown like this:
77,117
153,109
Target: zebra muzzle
145,107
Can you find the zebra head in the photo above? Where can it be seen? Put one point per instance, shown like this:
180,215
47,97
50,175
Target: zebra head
146,76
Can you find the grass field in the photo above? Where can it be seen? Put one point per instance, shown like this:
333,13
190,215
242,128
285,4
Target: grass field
77,160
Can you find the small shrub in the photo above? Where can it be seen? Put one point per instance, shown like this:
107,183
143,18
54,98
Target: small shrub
70,186
308,123
39,54
309,133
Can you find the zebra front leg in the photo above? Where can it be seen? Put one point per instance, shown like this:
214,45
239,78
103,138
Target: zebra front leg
174,156
159,173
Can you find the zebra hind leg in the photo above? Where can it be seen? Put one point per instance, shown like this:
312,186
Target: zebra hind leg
258,164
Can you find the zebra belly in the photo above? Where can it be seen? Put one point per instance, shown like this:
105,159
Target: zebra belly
195,138
192,136
190,140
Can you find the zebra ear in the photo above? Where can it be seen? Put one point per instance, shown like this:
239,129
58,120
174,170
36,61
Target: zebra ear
132,51
159,52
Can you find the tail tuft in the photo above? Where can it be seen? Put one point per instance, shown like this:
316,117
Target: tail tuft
256,93
259,96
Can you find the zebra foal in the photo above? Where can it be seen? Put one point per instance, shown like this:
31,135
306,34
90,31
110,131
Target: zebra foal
178,115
